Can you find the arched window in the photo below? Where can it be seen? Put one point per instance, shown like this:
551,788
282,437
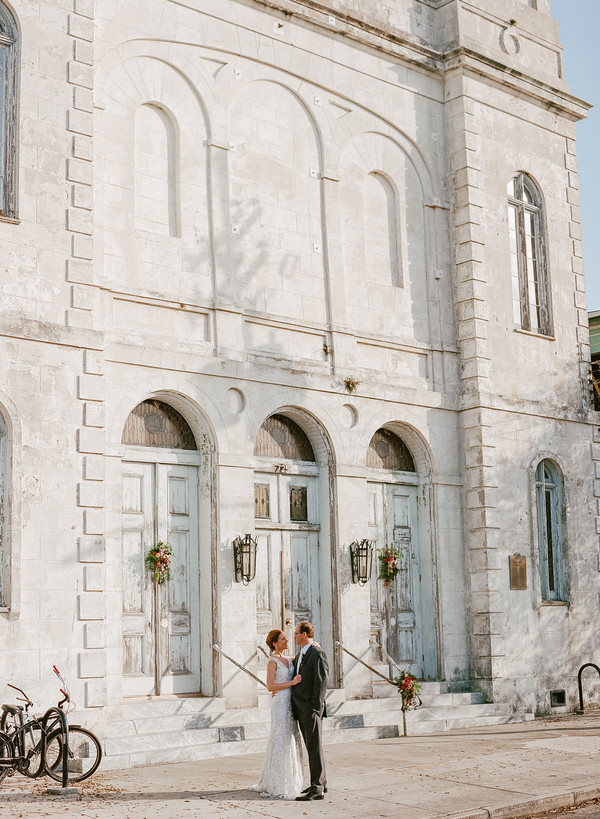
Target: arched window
280,437
550,512
8,113
3,514
530,291
387,451
154,423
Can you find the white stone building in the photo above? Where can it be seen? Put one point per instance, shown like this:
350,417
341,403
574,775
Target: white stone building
309,270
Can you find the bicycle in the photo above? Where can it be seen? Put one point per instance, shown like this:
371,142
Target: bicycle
43,741
21,741
84,752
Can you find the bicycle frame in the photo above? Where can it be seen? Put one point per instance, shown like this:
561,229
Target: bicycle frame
54,715
30,738
22,725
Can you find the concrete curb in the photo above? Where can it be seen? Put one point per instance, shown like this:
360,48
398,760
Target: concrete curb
532,807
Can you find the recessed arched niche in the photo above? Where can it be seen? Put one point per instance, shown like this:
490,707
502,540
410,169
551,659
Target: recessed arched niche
156,183
275,201
381,231
383,239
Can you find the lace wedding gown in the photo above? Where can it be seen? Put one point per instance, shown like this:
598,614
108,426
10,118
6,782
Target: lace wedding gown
282,770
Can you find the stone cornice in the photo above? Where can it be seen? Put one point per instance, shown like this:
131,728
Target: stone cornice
464,59
394,42
411,49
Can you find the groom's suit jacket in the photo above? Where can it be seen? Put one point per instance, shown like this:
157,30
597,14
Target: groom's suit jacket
309,694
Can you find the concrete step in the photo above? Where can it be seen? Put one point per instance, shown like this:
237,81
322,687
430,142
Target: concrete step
383,689
395,702
435,726
190,728
168,706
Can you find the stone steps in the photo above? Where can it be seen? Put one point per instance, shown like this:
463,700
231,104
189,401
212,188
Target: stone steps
194,728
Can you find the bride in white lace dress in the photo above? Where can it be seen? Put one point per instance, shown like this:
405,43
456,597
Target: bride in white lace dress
281,775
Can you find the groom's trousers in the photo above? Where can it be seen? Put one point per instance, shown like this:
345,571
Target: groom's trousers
311,728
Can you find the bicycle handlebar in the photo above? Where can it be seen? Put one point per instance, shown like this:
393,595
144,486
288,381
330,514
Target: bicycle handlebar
64,691
27,700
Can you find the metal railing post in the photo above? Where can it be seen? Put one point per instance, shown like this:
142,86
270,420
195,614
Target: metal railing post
387,656
64,726
243,668
366,665
579,685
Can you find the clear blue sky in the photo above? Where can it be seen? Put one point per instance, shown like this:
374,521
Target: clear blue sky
579,27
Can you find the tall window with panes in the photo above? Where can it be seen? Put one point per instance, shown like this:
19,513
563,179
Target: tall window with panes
530,290
550,512
9,47
3,514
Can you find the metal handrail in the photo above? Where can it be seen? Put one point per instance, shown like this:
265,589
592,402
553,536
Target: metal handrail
243,668
358,659
266,653
579,673
387,656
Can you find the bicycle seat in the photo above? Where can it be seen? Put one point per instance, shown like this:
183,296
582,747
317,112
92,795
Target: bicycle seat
12,709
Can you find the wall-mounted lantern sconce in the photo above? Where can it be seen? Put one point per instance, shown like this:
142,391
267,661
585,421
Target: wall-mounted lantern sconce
361,553
244,556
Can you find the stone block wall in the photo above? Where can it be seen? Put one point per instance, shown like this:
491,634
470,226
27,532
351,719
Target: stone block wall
247,213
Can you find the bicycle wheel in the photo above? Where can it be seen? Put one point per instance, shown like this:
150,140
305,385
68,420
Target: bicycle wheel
33,763
85,754
7,751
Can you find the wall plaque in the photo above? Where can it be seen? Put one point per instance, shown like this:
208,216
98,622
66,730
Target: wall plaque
518,571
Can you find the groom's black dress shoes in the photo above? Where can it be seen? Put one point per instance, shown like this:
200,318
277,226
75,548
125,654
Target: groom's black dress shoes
306,790
310,795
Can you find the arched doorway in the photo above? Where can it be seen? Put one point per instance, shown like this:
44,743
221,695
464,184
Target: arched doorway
288,529
161,641
392,490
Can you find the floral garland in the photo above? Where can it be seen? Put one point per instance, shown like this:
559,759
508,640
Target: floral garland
409,688
158,560
388,564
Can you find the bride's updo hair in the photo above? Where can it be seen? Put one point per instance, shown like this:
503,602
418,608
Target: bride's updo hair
272,638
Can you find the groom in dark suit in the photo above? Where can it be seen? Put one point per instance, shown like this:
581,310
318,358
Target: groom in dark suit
308,706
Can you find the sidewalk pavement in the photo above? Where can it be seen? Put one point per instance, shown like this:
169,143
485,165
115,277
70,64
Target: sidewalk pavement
500,771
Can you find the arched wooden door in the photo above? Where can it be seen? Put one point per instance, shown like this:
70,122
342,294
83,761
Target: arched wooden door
287,523
393,520
161,645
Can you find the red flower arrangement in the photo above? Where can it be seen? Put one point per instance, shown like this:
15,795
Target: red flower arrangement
408,687
158,560
388,564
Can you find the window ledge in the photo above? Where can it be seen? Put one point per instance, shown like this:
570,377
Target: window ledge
534,335
12,220
564,603
4,609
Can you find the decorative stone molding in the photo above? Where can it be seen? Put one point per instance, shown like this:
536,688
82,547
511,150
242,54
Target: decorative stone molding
510,42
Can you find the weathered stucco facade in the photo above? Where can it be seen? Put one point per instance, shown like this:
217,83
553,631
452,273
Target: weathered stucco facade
294,208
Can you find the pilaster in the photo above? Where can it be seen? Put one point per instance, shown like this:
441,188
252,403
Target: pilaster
91,665
472,317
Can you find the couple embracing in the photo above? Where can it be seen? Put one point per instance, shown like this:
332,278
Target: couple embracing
298,687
